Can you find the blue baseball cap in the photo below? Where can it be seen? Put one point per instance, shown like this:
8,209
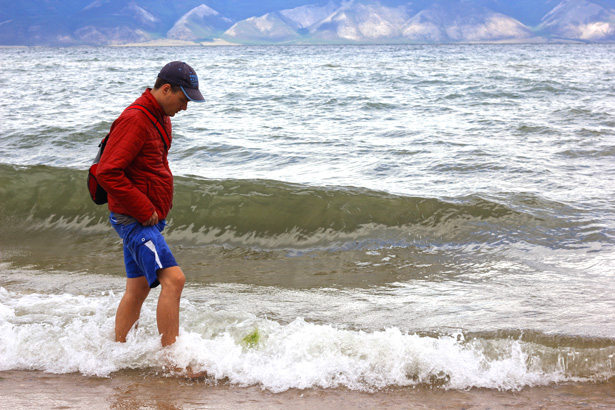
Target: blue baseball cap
181,74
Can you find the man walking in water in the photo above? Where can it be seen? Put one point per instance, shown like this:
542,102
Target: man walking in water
135,173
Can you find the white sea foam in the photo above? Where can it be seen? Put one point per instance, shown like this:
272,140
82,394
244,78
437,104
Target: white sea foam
64,333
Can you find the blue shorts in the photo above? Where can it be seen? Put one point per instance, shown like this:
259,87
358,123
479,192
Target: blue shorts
145,250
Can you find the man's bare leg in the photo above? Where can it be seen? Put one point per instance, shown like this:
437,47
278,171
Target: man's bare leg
167,313
129,309
172,281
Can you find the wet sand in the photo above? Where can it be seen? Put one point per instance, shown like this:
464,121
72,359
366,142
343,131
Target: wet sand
129,390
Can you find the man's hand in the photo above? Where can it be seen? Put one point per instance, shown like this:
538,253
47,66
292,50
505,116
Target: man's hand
153,220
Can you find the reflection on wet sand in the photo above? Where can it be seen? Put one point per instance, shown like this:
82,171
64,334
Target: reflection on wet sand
137,389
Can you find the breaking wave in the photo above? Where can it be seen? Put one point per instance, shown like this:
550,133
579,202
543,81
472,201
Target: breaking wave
272,214
64,333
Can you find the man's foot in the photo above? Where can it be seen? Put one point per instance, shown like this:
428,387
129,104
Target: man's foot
187,372
191,374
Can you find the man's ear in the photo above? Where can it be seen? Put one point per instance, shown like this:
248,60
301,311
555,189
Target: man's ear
166,88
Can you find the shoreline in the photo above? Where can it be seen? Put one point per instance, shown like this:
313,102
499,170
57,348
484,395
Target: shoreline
132,389
177,43
224,43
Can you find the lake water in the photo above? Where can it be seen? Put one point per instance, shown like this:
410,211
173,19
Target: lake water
358,217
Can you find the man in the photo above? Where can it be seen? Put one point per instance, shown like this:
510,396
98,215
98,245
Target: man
135,173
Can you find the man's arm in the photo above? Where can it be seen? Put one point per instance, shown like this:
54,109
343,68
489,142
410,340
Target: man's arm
125,143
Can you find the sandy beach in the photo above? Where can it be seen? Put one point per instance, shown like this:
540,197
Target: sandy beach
128,390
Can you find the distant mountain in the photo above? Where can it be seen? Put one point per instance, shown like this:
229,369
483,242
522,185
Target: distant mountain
465,24
200,23
97,22
361,22
372,22
131,22
269,28
100,22
580,19
289,25
306,16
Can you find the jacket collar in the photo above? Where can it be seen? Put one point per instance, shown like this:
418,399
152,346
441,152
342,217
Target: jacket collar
147,100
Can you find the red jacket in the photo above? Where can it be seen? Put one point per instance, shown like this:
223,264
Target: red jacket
133,168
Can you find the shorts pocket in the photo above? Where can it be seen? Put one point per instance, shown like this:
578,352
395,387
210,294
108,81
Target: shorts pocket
127,230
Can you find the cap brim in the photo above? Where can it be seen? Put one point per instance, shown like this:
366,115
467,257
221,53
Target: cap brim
193,94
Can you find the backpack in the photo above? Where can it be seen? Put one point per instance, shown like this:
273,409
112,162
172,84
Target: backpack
97,192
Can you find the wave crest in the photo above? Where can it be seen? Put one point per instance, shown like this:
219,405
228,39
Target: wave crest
274,214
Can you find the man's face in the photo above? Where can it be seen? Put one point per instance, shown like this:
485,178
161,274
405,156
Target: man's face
173,102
